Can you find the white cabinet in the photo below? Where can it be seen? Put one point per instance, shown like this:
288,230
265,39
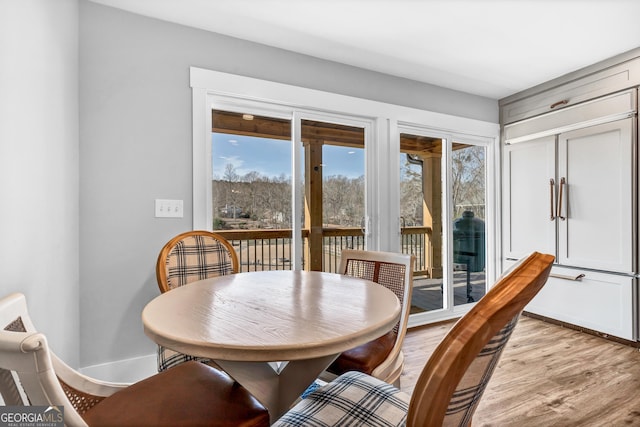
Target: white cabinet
570,194
529,198
570,188
595,203
601,302
573,89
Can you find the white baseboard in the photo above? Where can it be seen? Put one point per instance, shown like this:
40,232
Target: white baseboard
124,371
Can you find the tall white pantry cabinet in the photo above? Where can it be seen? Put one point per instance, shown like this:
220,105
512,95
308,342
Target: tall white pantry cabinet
570,188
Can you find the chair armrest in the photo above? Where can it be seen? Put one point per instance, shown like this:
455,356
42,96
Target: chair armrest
16,348
391,369
82,383
20,342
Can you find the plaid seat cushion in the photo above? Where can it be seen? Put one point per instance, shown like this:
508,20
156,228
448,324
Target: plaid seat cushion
352,399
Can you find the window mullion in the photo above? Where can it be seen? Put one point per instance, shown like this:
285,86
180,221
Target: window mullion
296,193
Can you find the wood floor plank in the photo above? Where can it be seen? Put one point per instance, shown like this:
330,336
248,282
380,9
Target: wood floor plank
548,376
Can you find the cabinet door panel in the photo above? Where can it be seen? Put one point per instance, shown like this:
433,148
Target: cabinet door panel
597,164
591,86
528,169
599,301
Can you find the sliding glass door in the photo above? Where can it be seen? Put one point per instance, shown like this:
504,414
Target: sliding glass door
468,221
443,206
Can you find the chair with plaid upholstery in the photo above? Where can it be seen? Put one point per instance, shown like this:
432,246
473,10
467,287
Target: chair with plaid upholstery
191,256
192,394
451,384
381,358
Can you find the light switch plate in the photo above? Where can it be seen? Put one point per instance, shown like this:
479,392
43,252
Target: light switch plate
169,208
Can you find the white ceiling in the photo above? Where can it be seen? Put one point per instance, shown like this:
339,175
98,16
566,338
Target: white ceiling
491,48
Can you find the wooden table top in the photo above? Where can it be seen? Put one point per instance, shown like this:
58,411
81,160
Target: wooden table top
271,315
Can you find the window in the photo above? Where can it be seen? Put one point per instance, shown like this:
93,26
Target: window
327,171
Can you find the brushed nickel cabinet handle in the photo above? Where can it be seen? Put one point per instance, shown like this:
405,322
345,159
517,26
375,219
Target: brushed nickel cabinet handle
563,181
559,103
552,185
575,278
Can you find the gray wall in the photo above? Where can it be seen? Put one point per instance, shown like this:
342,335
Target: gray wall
39,164
135,133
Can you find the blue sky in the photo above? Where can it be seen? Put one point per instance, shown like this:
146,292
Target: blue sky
272,157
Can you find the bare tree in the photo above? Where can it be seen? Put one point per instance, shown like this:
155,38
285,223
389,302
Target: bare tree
230,173
411,194
468,180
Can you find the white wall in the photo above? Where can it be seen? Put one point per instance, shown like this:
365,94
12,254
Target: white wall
39,164
135,133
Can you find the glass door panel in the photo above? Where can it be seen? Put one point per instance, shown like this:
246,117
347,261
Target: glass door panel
251,188
421,217
468,178
334,191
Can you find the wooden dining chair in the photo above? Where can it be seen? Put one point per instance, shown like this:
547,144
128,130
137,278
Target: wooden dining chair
192,394
190,256
194,255
381,358
455,376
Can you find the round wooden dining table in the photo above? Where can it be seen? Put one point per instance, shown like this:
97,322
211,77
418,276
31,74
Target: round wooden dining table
273,331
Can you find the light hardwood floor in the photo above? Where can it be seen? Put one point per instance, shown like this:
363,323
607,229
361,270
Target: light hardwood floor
548,376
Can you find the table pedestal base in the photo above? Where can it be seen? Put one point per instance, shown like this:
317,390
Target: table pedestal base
277,387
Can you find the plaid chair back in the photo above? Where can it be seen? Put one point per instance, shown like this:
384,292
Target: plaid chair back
467,395
197,258
195,255
188,257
